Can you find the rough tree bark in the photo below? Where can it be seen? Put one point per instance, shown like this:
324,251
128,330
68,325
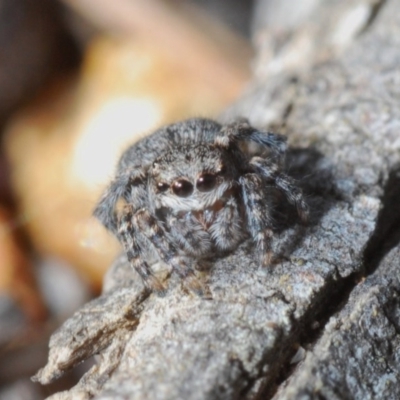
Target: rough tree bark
323,321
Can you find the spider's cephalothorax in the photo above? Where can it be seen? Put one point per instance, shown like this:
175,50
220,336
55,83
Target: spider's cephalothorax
194,190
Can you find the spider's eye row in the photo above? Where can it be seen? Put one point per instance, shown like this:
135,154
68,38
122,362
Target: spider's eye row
162,187
206,182
182,188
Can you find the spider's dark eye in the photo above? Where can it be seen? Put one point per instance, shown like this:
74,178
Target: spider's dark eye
182,188
206,182
162,187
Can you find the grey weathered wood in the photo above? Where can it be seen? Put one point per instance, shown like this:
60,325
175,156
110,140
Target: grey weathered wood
358,356
343,122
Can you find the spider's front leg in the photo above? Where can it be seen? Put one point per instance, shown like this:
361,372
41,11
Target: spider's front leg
271,171
129,186
241,131
134,252
148,228
259,218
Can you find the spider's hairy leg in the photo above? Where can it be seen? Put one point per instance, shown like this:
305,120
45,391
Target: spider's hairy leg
105,210
129,186
241,130
128,238
258,214
148,226
283,182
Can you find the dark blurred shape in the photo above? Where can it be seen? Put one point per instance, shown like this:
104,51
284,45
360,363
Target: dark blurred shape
16,273
12,319
5,189
33,44
234,13
21,389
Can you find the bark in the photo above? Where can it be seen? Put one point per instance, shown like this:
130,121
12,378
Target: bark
328,296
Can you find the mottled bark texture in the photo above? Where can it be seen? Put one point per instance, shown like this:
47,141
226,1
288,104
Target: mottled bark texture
327,295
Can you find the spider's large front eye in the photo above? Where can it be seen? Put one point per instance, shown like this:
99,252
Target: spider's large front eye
182,188
206,182
162,187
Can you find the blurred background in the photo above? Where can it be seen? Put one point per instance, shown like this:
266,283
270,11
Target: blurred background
79,81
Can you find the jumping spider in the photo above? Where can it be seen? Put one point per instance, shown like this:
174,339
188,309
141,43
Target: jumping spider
194,190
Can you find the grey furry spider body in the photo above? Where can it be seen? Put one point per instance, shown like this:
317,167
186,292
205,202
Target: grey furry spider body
194,190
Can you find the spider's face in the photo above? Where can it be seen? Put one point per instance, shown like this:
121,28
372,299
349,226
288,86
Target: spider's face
193,178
